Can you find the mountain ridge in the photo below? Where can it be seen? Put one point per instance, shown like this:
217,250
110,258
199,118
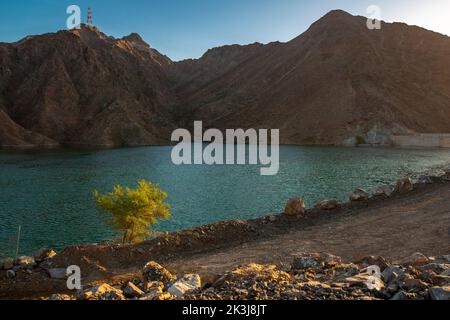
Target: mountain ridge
84,88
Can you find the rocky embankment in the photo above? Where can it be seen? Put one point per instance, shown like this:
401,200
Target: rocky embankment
314,276
405,215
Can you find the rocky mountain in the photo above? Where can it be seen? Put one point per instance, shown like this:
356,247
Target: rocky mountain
336,82
83,88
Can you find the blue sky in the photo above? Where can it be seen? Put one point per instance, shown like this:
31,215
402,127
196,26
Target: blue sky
187,28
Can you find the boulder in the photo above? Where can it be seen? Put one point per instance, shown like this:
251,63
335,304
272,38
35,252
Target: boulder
25,262
101,292
10,274
402,295
186,284
404,185
392,273
154,272
414,285
130,290
440,293
314,260
383,191
378,261
155,291
44,254
438,268
425,180
153,287
416,259
359,195
295,208
7,264
57,273
440,280
365,281
327,205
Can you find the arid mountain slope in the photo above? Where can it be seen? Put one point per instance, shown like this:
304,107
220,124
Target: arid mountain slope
82,88
337,81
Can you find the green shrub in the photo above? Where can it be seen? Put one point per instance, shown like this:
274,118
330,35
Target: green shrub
134,211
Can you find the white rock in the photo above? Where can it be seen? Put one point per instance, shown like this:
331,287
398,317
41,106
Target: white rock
187,283
10,274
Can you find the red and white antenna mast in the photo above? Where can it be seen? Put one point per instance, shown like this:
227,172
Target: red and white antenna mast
90,19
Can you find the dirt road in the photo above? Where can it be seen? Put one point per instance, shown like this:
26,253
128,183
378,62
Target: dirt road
393,228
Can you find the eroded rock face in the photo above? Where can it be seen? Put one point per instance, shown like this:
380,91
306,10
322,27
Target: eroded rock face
295,208
117,95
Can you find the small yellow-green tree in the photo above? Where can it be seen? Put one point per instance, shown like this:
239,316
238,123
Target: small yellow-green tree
134,211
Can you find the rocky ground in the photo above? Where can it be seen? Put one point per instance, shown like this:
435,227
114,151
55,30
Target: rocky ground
316,276
262,258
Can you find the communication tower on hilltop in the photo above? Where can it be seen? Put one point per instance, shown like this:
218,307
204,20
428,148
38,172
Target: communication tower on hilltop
90,20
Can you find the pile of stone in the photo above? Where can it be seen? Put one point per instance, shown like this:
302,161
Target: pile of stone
310,276
326,277
27,264
296,206
155,283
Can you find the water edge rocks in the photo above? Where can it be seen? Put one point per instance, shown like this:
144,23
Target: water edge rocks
383,191
404,185
25,262
327,205
7,264
359,195
295,208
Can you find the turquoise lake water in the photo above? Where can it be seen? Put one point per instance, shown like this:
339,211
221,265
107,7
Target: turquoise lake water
50,193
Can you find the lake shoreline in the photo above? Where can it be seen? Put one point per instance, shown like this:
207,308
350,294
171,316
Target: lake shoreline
263,240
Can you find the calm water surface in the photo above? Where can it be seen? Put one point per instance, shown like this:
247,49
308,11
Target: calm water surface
50,193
